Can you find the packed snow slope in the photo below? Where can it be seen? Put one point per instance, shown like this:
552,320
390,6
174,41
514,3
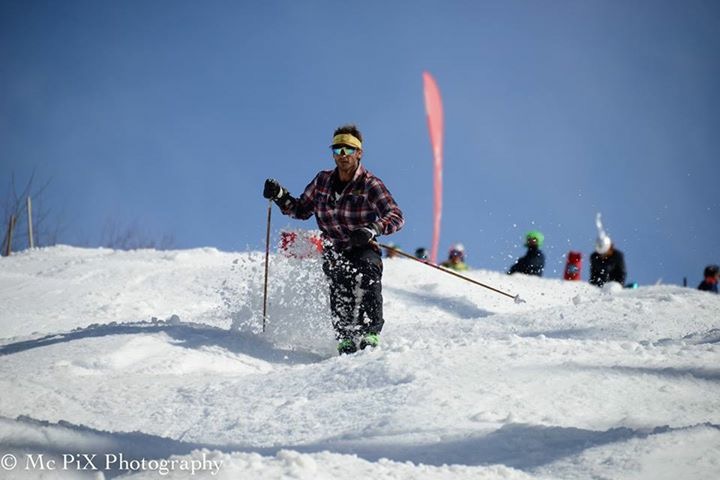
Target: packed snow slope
156,364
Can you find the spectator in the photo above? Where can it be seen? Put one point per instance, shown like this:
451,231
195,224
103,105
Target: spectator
607,263
573,266
533,262
712,275
456,258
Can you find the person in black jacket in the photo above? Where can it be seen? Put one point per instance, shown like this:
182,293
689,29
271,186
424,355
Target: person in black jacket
712,275
533,262
607,267
607,263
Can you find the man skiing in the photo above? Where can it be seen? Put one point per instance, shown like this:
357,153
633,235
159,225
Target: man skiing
351,207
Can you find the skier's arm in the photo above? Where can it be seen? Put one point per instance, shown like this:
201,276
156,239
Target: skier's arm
302,207
390,217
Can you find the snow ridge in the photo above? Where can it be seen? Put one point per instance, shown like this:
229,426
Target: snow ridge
158,356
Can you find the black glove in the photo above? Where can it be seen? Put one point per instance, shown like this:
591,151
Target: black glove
272,190
361,237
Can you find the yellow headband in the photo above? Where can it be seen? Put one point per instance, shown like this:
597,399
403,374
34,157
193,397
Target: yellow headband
347,139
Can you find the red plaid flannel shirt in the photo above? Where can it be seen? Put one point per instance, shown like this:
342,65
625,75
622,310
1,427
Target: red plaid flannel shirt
365,202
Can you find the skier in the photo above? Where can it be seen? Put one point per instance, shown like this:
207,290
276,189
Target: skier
351,207
607,263
533,262
456,258
712,276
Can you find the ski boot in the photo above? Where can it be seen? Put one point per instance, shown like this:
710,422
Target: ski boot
346,346
369,340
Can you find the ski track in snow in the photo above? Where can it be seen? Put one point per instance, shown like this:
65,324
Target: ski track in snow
159,355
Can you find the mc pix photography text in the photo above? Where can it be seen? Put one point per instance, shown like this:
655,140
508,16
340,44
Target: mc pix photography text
108,461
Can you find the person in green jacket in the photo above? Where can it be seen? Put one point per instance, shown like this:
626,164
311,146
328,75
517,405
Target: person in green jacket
456,258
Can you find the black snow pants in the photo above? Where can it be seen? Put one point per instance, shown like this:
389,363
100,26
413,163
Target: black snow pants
355,278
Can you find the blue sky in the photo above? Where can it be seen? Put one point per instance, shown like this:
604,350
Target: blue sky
170,115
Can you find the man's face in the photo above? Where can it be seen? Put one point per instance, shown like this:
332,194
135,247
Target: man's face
346,158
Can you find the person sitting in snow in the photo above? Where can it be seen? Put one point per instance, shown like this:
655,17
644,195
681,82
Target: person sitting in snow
712,275
456,258
607,263
533,262
352,207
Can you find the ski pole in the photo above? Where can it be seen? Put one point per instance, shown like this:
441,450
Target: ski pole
442,269
267,261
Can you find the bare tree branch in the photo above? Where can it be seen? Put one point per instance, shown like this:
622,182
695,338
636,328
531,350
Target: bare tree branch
15,204
132,237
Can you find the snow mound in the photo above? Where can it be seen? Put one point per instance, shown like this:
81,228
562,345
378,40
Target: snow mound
161,358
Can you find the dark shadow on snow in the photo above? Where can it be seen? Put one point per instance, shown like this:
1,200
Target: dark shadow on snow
188,335
699,338
458,307
520,446
707,374
563,334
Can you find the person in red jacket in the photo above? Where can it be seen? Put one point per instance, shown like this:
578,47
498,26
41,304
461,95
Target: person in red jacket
352,207
573,266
